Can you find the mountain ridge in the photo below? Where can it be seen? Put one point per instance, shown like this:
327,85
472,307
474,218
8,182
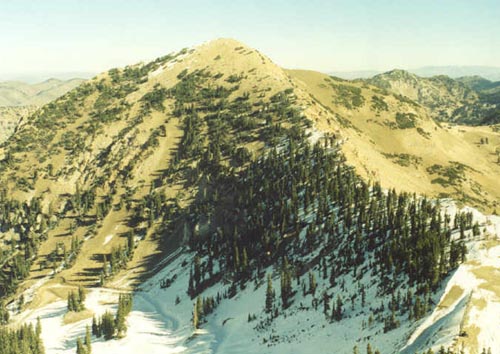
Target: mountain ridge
18,93
213,172
488,72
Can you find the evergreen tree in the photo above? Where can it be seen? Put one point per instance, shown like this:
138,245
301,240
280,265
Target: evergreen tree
369,349
108,325
80,349
95,329
196,316
269,294
312,283
88,340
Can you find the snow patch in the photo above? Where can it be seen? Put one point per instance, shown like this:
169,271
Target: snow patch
107,239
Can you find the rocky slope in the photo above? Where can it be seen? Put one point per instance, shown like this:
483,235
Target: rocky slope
447,100
11,117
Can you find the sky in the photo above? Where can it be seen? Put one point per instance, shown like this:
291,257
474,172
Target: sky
77,36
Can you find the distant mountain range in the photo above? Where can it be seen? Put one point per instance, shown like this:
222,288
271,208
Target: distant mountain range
36,77
16,93
487,72
18,100
469,100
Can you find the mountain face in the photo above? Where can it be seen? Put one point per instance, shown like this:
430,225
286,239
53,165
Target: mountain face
10,118
448,100
249,209
455,72
13,93
392,138
18,100
488,72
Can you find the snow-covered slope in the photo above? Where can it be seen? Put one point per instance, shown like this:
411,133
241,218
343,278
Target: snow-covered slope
467,311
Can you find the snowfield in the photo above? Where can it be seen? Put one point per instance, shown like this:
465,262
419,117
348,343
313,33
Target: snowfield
160,324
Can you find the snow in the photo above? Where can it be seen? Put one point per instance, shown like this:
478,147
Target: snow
442,326
107,239
157,324
438,330
314,135
149,327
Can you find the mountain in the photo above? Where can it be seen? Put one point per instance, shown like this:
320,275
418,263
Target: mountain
478,83
18,100
36,77
489,72
455,72
10,117
247,209
351,75
14,93
447,100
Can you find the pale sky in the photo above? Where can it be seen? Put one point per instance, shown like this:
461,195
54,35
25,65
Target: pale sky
54,36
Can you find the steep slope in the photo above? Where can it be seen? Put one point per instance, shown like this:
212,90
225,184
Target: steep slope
10,118
14,93
215,174
91,157
19,100
392,139
478,83
446,99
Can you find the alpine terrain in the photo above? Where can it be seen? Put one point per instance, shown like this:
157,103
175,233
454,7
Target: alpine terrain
18,100
210,201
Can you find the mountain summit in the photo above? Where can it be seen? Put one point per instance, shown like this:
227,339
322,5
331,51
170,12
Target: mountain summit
210,201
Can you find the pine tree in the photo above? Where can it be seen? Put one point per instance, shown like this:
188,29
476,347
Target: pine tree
196,319
199,308
95,330
120,325
197,272
79,346
269,294
88,340
312,283
81,295
337,309
108,325
369,349
38,330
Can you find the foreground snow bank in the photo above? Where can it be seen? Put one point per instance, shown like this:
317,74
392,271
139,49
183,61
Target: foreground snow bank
160,321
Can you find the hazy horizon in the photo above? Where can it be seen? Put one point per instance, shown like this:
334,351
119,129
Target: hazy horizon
68,36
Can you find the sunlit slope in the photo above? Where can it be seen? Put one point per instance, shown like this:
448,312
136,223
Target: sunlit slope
14,93
10,117
392,139
93,155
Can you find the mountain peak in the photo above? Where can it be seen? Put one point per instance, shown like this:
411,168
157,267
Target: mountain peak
399,73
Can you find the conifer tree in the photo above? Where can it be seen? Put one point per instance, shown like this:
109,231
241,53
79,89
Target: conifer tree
88,340
80,349
95,330
369,349
196,318
312,283
269,294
